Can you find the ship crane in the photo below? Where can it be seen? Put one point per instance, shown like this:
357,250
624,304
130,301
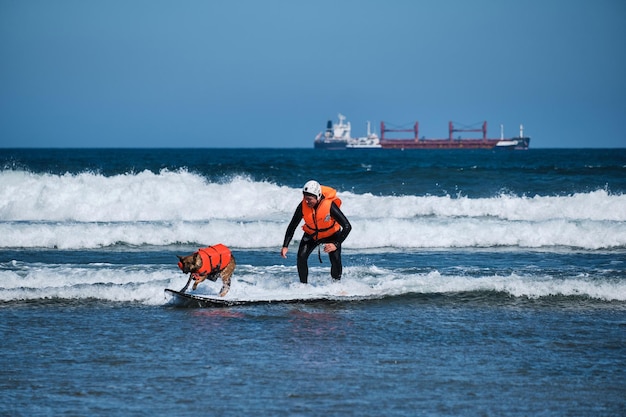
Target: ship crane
452,129
384,129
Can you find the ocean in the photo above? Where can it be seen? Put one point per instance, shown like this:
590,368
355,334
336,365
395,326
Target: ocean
478,283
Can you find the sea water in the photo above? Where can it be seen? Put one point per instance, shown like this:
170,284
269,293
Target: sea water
479,283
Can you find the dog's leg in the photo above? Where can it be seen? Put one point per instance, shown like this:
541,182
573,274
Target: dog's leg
225,287
226,274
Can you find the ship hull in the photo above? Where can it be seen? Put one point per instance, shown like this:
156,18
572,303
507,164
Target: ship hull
517,143
363,147
330,145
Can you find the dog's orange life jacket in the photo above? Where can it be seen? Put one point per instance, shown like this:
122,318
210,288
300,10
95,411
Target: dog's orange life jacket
214,258
317,221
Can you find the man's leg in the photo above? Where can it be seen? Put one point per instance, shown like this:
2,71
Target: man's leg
307,244
335,263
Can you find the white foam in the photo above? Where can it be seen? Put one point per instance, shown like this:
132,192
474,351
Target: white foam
132,284
87,210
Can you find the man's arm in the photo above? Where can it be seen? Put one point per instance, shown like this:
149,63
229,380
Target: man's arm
346,227
291,229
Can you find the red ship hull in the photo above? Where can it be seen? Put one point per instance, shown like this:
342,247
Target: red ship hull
521,142
439,144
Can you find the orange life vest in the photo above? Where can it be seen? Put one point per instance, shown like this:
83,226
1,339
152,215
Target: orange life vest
317,221
214,258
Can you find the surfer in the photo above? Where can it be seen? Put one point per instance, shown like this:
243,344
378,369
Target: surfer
212,262
324,223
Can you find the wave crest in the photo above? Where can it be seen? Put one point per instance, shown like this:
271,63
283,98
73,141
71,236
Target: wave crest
90,210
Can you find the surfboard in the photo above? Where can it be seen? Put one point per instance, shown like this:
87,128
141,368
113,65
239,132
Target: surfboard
195,300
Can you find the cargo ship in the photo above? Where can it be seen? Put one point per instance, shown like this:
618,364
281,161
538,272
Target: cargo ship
517,143
371,141
338,136
335,136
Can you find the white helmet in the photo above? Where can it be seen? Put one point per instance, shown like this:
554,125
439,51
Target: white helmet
313,187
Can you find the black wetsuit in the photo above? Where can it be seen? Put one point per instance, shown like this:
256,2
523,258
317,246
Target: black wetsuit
308,243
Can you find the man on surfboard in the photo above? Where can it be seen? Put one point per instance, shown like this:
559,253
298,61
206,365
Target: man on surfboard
324,223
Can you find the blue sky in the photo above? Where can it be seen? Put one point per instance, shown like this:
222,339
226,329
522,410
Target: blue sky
248,73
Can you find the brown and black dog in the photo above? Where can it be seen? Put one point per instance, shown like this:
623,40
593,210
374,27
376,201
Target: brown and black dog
210,262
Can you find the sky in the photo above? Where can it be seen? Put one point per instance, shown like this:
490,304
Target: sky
271,73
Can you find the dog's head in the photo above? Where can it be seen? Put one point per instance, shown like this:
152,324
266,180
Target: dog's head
190,263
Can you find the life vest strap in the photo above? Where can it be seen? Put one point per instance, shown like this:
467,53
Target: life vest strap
327,228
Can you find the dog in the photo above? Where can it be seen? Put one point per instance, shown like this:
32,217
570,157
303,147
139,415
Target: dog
210,262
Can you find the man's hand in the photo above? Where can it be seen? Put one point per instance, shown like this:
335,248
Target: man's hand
330,247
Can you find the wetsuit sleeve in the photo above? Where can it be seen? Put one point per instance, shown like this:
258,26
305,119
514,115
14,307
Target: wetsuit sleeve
346,227
291,229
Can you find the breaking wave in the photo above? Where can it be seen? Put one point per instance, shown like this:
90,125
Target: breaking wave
89,210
